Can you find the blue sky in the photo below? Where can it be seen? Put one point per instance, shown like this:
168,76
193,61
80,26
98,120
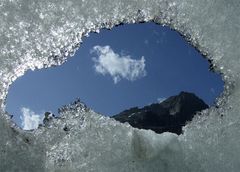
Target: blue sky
131,65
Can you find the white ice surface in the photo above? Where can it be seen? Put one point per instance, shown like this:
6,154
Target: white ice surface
37,34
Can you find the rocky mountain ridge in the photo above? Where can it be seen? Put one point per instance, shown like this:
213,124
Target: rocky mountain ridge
170,115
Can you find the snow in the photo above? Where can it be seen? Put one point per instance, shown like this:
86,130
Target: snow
37,34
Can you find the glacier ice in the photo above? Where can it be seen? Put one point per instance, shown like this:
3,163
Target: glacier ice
40,34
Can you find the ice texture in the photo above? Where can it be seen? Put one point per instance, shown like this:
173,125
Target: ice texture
44,33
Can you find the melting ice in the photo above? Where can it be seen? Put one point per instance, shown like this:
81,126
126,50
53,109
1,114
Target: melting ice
43,33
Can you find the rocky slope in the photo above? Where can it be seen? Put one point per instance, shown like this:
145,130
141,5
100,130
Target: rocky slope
169,115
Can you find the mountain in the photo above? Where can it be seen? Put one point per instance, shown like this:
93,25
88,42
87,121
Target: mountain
169,115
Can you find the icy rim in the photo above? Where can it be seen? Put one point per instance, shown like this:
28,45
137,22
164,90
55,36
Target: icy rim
38,34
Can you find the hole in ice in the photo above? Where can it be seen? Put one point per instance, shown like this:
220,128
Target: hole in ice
133,65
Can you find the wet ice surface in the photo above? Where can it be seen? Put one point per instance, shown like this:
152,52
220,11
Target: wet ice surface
42,33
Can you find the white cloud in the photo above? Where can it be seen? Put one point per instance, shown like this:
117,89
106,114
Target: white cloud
119,67
30,120
161,99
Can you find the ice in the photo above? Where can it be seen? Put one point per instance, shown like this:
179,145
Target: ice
43,33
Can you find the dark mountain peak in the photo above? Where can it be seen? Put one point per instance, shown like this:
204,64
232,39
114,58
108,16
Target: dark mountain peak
184,93
185,96
182,97
169,115
184,101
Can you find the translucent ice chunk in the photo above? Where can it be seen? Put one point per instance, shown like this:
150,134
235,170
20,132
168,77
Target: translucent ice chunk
37,34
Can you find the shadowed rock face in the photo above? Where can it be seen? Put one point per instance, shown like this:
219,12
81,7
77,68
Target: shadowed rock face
169,115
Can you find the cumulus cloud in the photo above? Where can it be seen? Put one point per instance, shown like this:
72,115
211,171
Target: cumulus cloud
116,65
30,120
